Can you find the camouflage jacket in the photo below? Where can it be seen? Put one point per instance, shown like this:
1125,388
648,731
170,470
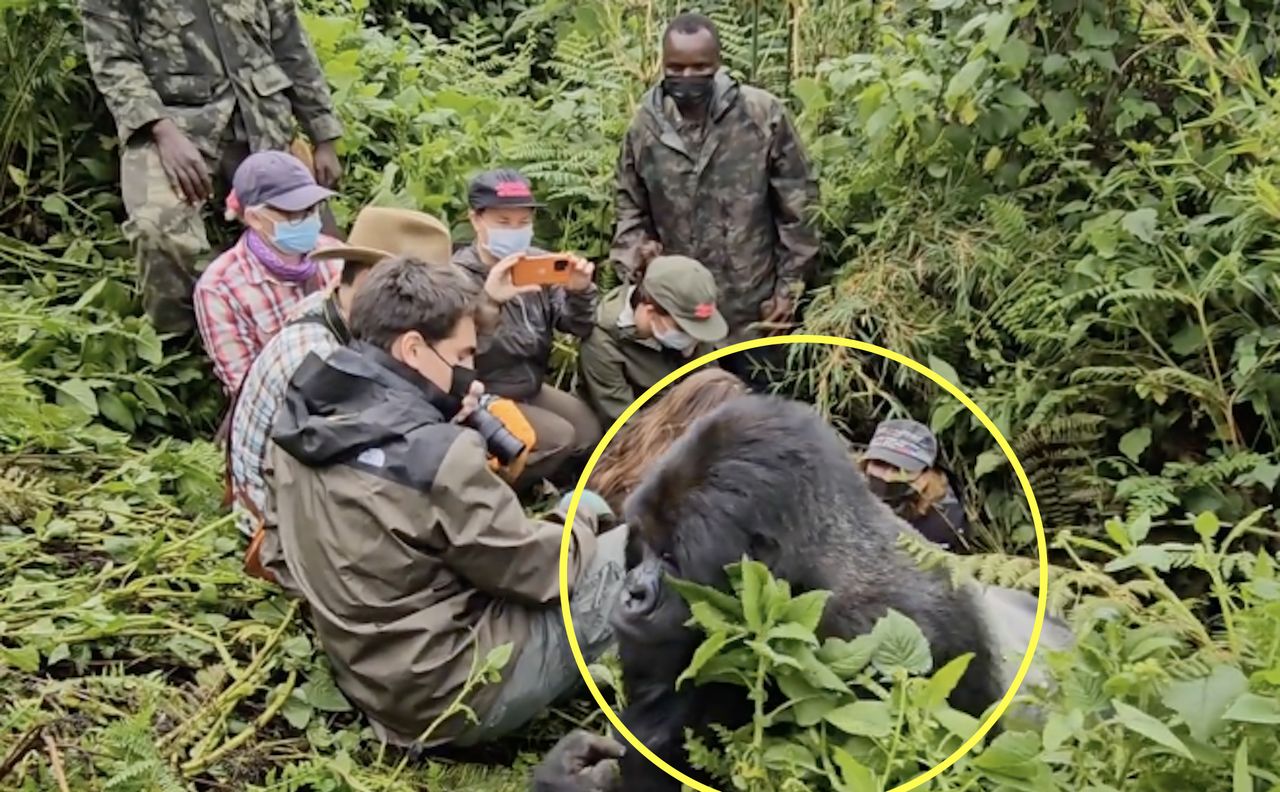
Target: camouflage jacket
513,360
740,204
198,62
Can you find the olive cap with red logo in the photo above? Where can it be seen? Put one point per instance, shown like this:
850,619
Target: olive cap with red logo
686,291
501,188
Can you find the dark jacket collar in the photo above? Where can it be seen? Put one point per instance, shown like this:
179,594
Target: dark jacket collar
359,397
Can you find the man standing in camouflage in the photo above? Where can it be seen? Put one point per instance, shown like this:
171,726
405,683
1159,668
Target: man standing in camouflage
714,170
195,87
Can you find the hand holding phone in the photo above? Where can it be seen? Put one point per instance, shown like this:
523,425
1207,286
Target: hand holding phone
552,269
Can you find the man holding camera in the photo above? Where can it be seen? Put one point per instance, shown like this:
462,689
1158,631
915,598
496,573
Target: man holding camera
415,557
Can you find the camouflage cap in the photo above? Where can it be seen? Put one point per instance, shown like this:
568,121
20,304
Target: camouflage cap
279,180
686,290
906,444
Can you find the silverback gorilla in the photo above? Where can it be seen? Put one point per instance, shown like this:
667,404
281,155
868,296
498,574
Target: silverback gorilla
768,478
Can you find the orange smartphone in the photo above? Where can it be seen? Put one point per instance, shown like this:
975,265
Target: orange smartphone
552,269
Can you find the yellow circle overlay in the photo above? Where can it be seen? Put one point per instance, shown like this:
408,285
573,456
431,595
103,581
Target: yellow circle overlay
832,341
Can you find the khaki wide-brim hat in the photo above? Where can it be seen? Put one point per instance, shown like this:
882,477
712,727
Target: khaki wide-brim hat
381,232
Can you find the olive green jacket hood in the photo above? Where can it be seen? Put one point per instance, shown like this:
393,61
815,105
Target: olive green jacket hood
411,553
615,367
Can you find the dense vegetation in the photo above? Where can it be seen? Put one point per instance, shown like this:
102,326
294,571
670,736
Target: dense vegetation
1068,207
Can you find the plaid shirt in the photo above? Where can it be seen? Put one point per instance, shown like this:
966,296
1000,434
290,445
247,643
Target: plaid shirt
262,395
240,306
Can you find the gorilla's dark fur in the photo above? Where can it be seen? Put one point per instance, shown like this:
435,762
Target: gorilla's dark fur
768,478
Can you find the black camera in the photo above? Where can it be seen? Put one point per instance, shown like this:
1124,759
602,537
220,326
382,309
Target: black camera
497,437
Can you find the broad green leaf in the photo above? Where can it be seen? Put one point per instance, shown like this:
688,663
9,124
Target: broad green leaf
863,718
943,682
321,693
818,673
82,393
1142,224
297,711
707,650
90,295
149,346
1241,779
1093,35
115,411
54,205
1012,753
1142,556
1062,106
19,177
1053,64
1252,708
997,29
945,413
791,631
943,369
150,397
695,592
901,644
989,460
755,577
809,703
24,658
1139,528
1061,727
806,609
961,724
1134,442
711,619
1201,703
58,654
848,658
964,80
854,775
1207,525
1014,55
1140,722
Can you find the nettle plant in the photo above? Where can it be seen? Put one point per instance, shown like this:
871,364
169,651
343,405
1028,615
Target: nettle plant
1158,693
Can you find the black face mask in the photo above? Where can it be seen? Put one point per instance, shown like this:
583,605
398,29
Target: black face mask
894,493
691,90
462,379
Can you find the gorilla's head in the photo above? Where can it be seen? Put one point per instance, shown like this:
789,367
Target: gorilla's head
733,485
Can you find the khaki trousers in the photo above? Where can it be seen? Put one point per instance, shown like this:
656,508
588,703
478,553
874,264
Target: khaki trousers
566,428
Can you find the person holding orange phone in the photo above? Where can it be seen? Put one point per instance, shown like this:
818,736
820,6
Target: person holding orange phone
554,292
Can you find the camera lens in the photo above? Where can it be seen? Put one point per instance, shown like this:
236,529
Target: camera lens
497,437
561,265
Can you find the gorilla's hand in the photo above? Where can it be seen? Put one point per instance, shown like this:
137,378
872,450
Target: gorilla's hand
580,762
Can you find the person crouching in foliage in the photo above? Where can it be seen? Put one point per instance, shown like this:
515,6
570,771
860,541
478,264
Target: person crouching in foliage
415,557
649,434
513,361
900,467
645,331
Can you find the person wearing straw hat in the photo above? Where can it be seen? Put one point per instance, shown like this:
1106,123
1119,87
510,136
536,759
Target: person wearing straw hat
318,327
643,332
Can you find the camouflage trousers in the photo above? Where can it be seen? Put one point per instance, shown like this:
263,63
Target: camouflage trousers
168,235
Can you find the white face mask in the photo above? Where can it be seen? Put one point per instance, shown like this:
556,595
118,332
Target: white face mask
673,338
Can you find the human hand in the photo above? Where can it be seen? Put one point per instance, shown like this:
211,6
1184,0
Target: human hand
182,162
580,762
581,274
777,310
470,402
327,167
498,283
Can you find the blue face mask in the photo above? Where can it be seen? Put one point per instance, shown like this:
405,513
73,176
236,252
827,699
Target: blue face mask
505,241
299,237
